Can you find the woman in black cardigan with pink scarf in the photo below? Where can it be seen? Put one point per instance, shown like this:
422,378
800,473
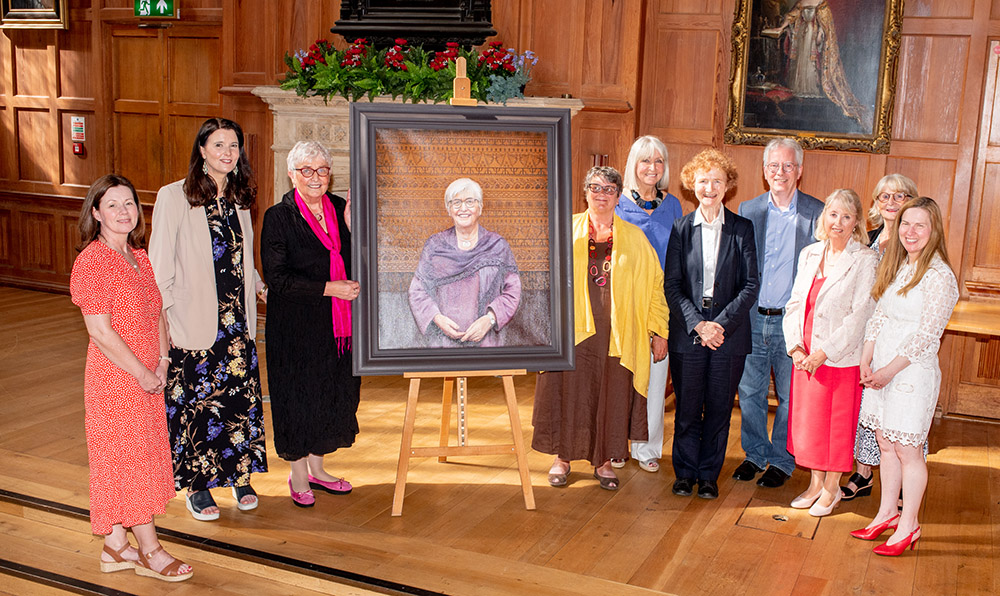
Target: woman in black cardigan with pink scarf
306,256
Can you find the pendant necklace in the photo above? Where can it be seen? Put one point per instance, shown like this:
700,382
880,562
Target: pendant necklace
599,273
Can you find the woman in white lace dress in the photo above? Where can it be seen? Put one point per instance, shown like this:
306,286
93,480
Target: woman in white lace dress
916,291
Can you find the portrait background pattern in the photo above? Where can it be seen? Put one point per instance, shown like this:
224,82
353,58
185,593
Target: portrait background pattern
413,169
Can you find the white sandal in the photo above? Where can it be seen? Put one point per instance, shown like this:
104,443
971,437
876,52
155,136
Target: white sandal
650,465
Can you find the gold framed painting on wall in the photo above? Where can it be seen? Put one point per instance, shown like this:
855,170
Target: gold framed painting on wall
823,72
34,14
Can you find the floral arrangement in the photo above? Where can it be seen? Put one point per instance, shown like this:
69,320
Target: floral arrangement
406,71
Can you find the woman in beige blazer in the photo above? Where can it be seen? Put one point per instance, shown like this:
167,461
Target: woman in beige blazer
201,249
824,329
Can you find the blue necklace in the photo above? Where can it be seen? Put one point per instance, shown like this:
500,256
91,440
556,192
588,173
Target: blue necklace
651,205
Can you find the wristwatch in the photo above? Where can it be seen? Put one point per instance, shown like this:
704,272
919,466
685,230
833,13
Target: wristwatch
493,318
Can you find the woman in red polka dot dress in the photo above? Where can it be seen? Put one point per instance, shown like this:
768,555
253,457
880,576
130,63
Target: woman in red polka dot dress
131,475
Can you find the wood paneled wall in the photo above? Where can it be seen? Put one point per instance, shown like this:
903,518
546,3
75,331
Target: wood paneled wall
640,66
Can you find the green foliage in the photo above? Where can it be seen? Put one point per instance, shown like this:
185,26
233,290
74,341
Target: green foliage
403,71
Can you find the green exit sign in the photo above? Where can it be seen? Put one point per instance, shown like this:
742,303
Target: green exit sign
156,8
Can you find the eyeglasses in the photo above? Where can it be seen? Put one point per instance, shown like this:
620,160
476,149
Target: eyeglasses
597,189
772,168
308,172
897,197
468,203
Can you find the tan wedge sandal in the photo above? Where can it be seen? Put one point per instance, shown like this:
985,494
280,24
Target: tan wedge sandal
167,574
118,562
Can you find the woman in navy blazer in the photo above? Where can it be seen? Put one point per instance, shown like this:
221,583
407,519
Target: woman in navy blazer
711,281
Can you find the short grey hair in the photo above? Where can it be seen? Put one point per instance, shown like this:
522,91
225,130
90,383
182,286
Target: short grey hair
306,150
460,186
787,143
644,148
891,183
607,172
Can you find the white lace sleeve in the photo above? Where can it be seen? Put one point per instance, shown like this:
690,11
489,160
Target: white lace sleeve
940,291
875,323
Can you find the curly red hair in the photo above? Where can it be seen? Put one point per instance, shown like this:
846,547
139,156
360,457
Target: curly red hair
707,160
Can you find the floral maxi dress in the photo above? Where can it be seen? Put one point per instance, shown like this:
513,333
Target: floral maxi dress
214,396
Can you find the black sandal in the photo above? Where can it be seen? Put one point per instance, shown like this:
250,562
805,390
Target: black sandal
864,487
200,501
241,491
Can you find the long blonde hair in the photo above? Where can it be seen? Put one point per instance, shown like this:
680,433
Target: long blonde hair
895,252
847,198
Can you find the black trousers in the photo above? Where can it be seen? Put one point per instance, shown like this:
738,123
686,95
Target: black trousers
705,384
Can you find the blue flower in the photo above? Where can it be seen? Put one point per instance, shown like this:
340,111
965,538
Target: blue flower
212,483
202,367
218,249
227,452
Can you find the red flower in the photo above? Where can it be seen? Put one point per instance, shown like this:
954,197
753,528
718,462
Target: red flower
451,45
361,41
400,41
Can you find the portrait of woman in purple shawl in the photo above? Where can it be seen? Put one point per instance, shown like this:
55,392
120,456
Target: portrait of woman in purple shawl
466,287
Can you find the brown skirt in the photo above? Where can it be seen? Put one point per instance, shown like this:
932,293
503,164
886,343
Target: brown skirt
590,412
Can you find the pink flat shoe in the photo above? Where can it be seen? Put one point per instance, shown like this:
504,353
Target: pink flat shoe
303,499
337,487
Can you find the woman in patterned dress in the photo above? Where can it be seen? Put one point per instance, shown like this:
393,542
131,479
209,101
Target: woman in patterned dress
202,253
916,291
130,473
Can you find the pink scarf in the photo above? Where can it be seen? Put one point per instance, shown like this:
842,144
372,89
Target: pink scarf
331,240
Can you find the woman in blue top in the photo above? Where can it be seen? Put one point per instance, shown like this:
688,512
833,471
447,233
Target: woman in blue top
646,203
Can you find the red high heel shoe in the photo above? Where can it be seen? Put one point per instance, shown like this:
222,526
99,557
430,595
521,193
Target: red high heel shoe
875,531
894,550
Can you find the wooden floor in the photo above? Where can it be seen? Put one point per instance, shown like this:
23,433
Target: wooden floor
464,529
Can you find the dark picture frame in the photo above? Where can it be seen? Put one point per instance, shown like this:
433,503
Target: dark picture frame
824,73
402,159
34,14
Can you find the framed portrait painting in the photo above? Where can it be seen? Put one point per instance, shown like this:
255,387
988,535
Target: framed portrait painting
34,14
461,222
819,70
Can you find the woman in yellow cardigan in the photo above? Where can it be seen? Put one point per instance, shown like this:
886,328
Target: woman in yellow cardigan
620,315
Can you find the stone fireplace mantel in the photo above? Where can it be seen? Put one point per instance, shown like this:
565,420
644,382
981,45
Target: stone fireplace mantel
311,119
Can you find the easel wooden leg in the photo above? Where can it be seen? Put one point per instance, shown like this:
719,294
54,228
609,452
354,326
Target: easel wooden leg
446,396
404,449
515,429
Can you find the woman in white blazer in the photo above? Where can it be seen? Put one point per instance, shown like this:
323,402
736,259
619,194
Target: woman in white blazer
824,330
201,249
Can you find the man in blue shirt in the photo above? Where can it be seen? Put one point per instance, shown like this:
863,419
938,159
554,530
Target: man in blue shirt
784,220
646,203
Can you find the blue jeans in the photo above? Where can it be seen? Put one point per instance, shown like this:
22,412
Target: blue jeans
768,353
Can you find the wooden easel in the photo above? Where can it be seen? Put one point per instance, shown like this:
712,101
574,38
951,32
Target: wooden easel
443,450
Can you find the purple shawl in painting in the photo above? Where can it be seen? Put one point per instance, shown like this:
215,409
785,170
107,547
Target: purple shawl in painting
463,284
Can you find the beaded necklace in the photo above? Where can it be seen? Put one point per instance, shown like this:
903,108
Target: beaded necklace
599,273
651,205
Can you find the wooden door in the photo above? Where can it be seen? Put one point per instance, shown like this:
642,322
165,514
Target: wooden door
975,386
165,83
